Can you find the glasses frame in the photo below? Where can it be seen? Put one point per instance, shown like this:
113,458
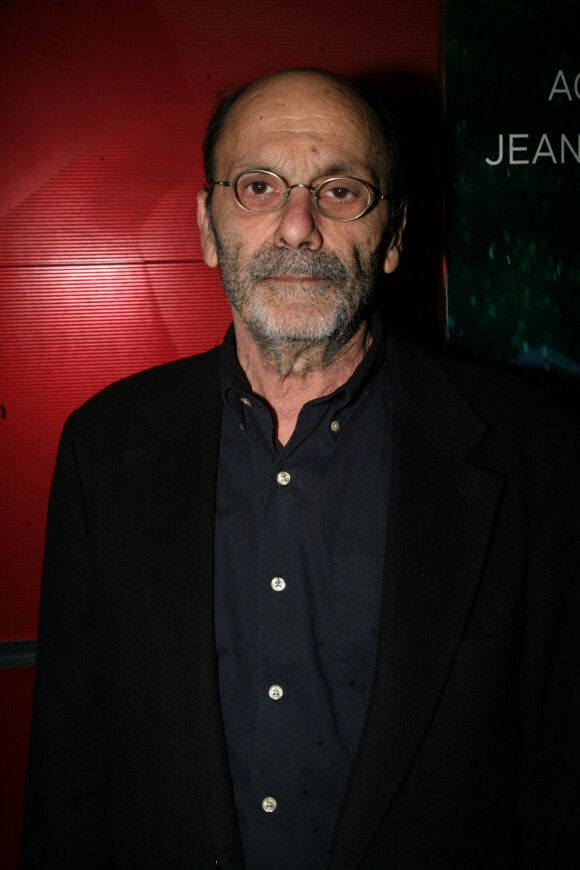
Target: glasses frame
372,196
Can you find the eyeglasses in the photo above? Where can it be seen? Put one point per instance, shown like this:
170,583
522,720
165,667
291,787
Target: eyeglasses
340,198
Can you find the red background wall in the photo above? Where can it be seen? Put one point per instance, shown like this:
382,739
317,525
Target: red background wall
104,106
100,270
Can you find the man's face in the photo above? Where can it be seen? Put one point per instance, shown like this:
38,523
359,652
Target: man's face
296,275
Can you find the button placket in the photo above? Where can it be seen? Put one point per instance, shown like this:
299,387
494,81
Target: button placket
271,658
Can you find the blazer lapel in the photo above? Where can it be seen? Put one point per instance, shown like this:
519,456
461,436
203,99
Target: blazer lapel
441,513
172,483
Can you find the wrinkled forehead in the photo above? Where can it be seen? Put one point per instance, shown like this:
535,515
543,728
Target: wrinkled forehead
300,112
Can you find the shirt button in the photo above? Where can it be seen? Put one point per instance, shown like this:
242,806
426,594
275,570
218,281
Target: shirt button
275,692
278,584
269,804
283,478
335,425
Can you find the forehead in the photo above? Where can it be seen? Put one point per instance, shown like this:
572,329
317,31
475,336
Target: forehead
300,121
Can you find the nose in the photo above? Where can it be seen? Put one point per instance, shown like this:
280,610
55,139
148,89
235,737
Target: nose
297,227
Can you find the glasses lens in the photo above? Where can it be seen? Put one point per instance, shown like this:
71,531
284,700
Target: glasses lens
259,191
343,199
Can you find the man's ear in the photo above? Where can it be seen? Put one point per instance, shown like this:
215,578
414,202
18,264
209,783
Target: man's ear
393,255
207,238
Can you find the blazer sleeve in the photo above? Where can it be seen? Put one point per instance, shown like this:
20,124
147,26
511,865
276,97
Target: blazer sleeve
549,763
68,778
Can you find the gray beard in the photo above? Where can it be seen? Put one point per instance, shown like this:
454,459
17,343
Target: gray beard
351,291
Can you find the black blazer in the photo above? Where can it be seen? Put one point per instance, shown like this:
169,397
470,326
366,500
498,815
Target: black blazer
469,754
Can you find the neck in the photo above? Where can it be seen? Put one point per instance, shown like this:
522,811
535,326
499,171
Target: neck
291,374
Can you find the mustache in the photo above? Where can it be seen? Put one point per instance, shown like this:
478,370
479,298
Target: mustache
313,264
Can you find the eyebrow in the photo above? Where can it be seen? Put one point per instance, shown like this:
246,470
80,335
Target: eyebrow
340,168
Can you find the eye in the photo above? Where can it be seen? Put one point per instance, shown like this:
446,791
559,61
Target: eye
259,191
257,187
342,190
339,192
343,198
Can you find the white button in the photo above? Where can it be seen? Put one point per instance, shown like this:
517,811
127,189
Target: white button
278,584
335,425
269,804
283,478
245,401
275,692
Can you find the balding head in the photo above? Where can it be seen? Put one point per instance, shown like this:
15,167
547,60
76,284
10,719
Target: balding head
360,109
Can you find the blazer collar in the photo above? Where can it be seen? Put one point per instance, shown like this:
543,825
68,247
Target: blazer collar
422,385
189,396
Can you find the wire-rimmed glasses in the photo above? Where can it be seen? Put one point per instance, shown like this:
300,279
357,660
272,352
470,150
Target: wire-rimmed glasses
340,198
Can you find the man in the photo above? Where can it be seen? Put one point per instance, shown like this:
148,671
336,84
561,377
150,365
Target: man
310,599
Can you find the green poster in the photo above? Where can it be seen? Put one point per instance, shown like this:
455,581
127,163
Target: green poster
512,95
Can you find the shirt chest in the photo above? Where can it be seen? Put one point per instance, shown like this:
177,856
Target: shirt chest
300,545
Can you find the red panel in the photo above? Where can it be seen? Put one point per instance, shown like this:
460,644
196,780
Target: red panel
100,270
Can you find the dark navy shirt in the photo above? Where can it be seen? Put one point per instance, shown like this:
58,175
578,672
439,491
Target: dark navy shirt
300,546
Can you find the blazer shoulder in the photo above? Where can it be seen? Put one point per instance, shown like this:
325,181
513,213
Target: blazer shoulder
530,438
157,399
449,396
508,399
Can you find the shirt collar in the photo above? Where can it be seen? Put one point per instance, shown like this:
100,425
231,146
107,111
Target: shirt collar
235,388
